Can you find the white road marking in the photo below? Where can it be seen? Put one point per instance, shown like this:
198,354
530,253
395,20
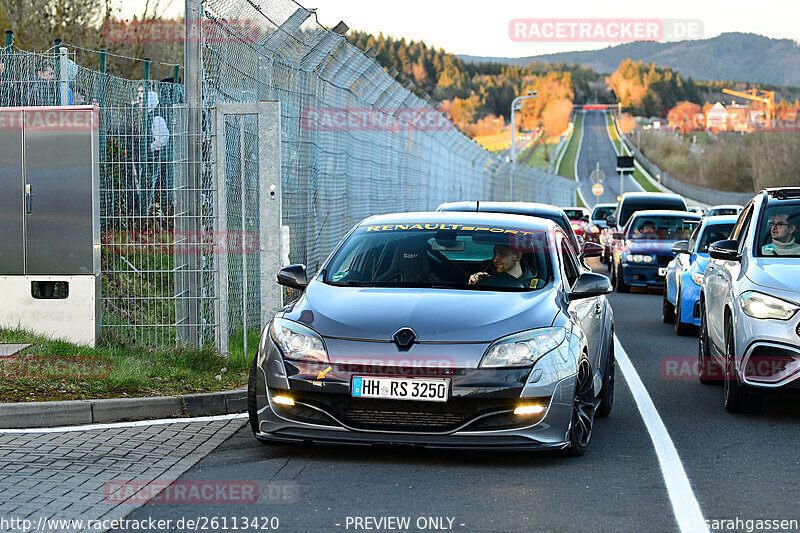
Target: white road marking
136,424
684,503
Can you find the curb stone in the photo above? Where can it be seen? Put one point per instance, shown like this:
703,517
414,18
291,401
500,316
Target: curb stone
79,412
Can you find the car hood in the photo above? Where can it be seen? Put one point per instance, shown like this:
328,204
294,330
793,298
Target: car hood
435,315
775,273
649,246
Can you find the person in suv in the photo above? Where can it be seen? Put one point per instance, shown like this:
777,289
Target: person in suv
749,303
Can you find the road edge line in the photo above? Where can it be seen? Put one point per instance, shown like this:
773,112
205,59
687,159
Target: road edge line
685,506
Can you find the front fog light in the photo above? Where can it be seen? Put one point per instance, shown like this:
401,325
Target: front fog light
525,410
283,400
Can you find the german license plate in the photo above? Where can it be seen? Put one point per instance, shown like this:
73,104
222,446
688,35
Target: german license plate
425,390
662,271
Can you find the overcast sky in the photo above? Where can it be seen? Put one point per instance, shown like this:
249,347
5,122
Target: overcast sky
482,28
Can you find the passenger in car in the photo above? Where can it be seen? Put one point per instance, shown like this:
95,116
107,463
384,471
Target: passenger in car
782,231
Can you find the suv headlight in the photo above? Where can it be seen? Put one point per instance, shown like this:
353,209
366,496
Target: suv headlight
759,305
523,349
639,258
298,342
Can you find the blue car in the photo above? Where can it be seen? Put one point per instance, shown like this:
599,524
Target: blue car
643,249
685,274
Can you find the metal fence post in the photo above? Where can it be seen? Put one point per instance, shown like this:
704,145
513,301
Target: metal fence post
270,216
192,192
63,79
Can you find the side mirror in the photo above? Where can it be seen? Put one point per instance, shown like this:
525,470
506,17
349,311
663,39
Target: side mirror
293,276
590,285
591,249
724,250
611,221
680,247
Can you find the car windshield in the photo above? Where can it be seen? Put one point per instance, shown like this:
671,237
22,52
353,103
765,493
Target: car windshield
778,229
659,227
442,256
713,233
574,214
630,207
723,211
601,213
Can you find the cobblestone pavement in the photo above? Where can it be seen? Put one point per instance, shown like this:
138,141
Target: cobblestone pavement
62,475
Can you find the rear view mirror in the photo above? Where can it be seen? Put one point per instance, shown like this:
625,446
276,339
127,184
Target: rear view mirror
611,221
724,250
590,285
591,249
293,276
680,247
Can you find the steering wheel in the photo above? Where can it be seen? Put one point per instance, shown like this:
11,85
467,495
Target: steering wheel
503,279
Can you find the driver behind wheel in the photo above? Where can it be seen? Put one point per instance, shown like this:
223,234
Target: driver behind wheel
507,262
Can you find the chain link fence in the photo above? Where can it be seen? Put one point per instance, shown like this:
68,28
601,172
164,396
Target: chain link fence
354,142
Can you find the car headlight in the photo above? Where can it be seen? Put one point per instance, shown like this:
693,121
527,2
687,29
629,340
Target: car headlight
639,258
594,229
298,342
698,278
523,349
759,305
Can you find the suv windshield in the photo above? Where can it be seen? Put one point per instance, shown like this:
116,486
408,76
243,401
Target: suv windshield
666,204
660,228
442,256
778,229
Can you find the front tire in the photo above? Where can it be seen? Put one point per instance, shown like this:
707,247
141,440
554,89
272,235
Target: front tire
667,309
737,398
621,286
681,328
606,395
709,371
580,429
252,403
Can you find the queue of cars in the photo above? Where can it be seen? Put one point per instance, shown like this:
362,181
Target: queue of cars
480,325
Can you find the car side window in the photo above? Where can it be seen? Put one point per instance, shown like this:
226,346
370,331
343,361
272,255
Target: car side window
741,224
693,238
570,263
742,230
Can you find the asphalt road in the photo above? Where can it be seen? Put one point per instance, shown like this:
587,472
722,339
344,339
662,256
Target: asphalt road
738,466
596,147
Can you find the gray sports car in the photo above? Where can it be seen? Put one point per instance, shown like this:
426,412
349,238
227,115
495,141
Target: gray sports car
446,330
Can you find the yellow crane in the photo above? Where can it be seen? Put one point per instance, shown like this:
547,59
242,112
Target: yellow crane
765,97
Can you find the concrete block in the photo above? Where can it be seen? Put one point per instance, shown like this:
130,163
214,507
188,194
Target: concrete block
119,409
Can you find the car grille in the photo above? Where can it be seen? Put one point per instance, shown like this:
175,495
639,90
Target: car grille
663,259
404,415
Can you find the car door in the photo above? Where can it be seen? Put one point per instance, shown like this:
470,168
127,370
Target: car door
719,275
586,312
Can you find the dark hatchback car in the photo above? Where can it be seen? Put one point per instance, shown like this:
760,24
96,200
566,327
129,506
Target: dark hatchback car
643,250
394,340
531,209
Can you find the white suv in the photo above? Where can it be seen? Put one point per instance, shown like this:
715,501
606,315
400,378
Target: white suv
750,326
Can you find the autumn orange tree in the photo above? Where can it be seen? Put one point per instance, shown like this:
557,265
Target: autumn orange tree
683,116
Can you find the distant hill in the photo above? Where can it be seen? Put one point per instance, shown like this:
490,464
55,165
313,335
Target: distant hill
742,57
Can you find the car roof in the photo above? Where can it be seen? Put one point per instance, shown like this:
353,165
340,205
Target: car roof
649,196
462,217
725,206
720,219
520,208
664,212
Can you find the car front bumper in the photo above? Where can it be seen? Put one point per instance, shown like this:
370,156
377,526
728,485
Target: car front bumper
768,351
638,275
478,413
